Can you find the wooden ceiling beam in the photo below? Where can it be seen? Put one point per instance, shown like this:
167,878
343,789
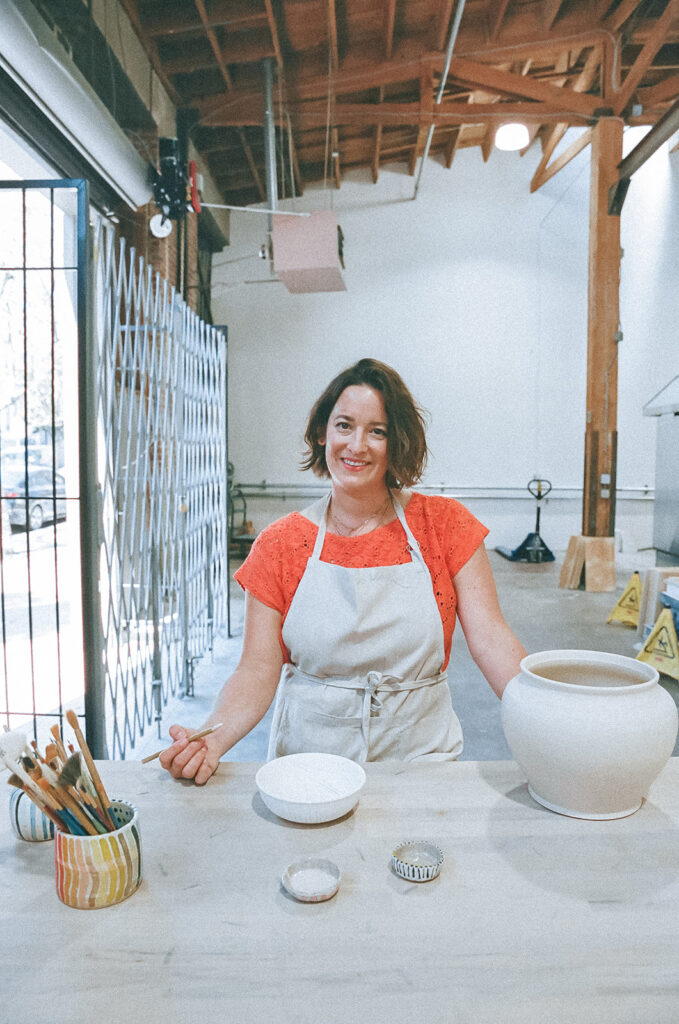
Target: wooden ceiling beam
273,29
389,21
620,15
584,81
485,77
645,58
332,35
498,12
151,50
200,6
426,108
549,13
552,140
212,38
487,142
252,164
402,68
234,14
442,24
663,92
313,114
562,160
538,46
249,53
451,147
377,150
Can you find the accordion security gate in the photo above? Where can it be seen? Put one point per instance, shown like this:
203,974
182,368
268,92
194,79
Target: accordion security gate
162,469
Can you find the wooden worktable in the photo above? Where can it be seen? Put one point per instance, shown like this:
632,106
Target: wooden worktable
535,916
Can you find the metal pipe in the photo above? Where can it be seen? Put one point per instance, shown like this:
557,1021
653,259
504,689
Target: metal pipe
90,507
270,141
264,489
661,131
454,29
252,209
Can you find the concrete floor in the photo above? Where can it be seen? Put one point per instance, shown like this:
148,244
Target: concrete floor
542,615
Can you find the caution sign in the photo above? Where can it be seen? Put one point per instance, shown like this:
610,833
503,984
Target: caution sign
661,648
627,608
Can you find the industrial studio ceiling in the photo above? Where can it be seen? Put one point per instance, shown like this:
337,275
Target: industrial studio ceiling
358,82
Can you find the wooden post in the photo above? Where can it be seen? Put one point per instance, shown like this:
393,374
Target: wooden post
603,318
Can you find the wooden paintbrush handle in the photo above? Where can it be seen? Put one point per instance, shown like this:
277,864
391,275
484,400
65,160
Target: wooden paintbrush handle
89,761
61,750
70,804
189,739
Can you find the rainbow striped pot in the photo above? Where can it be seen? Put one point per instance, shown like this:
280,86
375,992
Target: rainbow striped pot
98,871
27,820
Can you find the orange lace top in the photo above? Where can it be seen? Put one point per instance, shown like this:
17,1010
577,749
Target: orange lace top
448,535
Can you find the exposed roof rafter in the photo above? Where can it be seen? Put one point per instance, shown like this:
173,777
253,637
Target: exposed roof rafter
554,64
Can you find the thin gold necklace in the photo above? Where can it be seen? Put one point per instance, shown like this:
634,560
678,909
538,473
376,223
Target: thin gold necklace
349,530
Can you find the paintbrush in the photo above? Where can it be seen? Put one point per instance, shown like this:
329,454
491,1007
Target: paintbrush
92,769
69,777
12,747
61,750
45,780
190,739
33,787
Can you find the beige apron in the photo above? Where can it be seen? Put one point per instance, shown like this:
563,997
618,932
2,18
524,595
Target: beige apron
367,648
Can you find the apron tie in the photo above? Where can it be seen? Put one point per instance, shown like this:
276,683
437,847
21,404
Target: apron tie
371,703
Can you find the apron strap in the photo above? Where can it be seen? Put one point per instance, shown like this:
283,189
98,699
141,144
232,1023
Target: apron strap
320,536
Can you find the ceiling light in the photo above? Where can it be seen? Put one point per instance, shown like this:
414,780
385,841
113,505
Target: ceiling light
512,136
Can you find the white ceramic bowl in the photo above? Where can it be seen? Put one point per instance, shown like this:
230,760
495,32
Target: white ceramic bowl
310,788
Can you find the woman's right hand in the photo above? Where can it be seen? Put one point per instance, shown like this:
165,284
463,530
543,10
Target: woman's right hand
197,760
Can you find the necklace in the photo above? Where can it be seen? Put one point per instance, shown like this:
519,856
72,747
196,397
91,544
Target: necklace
347,530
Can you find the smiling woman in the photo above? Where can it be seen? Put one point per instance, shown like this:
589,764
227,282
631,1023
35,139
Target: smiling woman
351,604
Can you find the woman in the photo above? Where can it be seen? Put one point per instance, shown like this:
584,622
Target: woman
351,604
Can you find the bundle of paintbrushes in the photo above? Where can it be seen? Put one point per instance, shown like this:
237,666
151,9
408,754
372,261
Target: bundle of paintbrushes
63,783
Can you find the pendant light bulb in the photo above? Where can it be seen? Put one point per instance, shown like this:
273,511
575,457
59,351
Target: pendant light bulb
512,136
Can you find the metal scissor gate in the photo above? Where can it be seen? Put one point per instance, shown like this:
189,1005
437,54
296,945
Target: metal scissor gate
162,466
135,501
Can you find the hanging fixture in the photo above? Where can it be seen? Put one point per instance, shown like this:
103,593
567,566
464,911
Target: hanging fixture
513,135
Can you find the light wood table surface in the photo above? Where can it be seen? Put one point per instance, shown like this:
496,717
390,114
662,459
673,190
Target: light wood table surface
536,917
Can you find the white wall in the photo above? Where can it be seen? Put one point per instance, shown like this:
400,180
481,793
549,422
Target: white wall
477,293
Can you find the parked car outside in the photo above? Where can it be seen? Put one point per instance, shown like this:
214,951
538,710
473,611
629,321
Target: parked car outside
42,490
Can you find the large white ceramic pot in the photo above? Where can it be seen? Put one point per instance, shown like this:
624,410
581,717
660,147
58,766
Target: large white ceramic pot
590,730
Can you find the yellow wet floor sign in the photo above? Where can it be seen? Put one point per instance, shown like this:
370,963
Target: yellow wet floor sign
627,608
661,648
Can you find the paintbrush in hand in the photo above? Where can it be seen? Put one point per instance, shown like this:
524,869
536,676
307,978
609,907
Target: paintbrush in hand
190,739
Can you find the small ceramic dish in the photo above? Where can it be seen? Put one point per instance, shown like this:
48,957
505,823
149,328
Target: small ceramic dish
311,880
417,860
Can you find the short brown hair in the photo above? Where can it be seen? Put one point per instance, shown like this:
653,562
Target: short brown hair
406,439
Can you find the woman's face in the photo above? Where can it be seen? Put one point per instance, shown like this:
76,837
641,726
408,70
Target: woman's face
356,440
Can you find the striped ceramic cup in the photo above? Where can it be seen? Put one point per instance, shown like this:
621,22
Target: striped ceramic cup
27,820
98,871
